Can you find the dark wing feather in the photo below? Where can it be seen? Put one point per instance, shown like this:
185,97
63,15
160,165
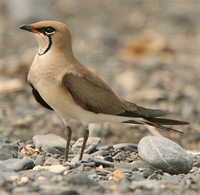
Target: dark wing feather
39,98
95,96
92,97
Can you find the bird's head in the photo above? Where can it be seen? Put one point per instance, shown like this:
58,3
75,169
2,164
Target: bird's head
51,35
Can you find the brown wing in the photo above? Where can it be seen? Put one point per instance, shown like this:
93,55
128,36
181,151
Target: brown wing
97,97
39,98
92,97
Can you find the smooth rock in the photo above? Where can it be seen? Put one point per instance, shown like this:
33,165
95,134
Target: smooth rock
91,145
108,158
76,158
147,172
100,153
120,156
18,164
126,146
136,165
106,147
51,161
79,179
164,154
51,140
70,165
91,149
8,150
99,162
123,165
49,149
39,160
53,168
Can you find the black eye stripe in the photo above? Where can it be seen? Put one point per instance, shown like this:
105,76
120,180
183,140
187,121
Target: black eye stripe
46,30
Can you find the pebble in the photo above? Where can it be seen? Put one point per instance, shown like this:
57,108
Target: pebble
49,149
126,146
51,161
100,153
7,149
18,164
91,145
79,179
50,140
165,154
99,162
39,160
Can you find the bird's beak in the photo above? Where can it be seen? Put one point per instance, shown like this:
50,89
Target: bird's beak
28,28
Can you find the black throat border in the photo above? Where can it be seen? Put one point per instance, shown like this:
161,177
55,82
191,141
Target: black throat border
48,48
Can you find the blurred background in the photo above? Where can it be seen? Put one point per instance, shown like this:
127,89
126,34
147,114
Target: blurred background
147,51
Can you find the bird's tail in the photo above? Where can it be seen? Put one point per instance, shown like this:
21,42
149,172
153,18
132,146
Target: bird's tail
158,122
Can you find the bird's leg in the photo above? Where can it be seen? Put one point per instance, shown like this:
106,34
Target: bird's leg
69,133
85,137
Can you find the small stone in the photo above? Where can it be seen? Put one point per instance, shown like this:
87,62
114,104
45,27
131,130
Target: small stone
39,160
123,165
126,147
108,158
79,179
41,168
120,156
153,176
106,147
18,164
147,172
118,175
57,168
92,142
51,140
165,154
70,165
51,161
76,158
136,165
49,149
100,153
8,150
91,149
99,162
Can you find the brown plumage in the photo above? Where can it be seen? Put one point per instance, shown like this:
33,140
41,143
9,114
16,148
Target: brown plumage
61,83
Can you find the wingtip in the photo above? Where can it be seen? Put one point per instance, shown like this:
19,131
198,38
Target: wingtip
184,123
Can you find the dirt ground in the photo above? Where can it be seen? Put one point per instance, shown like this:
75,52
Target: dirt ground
147,51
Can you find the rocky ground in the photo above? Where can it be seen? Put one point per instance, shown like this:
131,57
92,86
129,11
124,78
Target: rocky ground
148,52
155,166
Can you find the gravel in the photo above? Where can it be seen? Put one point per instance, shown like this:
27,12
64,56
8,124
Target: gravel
148,53
43,172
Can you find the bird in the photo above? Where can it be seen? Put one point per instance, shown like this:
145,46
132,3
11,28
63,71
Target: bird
61,83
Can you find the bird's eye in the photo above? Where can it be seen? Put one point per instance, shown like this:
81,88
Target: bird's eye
49,30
